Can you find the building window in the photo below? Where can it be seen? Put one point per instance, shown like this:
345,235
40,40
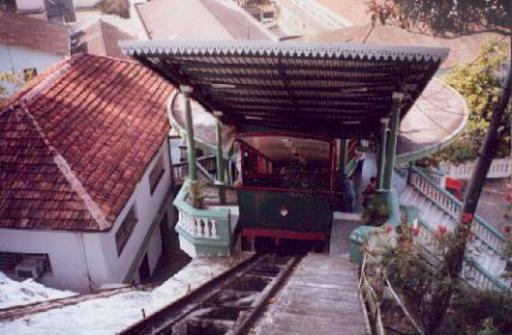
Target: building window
29,73
156,174
126,229
25,265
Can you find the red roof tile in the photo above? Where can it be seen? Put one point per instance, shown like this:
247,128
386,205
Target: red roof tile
33,33
105,118
100,38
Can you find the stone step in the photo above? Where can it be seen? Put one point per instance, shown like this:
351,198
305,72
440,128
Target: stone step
429,212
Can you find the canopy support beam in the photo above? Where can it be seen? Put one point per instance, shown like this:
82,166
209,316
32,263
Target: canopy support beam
219,158
191,147
382,153
391,145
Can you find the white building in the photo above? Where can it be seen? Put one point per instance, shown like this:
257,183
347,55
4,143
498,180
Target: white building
29,46
85,177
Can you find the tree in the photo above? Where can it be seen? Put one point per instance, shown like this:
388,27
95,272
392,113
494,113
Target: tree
446,18
452,18
474,81
8,79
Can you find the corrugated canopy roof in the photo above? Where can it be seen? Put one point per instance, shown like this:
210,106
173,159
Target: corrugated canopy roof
337,90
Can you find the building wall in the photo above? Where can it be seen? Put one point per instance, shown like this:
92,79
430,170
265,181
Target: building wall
104,264
30,5
85,3
84,260
65,250
15,58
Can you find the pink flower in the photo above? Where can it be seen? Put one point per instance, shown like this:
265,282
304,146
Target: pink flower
467,218
388,228
415,230
441,231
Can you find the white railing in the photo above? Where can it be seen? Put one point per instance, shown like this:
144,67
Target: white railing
500,168
476,277
180,172
201,227
472,273
450,205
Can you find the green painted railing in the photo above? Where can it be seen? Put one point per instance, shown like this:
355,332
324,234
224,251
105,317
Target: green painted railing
453,207
207,230
472,271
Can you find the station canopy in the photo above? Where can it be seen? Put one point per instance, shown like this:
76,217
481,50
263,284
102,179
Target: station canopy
333,90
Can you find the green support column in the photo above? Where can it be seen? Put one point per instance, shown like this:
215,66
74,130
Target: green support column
391,145
219,158
191,147
382,154
343,157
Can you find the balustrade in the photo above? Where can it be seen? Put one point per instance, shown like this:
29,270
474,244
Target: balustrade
453,207
201,227
500,168
205,231
472,272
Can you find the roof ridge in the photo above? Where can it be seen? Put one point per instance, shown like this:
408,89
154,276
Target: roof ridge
51,76
102,36
42,81
93,208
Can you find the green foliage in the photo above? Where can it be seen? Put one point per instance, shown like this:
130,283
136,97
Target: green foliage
375,213
488,312
421,279
8,79
197,194
445,17
116,7
476,81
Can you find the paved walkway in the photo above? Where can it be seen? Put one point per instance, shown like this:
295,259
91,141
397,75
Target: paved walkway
319,298
343,224
492,205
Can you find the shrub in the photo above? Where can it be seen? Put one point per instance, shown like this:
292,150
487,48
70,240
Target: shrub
115,7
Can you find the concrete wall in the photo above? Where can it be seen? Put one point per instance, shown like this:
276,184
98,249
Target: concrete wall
30,5
65,250
85,3
83,260
15,58
106,266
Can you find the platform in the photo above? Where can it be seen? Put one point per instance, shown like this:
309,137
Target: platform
319,298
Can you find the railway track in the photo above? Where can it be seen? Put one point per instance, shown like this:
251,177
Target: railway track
228,304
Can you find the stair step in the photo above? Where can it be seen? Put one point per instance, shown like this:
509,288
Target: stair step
431,213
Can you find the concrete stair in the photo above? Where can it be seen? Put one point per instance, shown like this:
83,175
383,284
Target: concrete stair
482,254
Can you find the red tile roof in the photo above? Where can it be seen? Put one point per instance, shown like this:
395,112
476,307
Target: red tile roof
101,121
100,38
33,33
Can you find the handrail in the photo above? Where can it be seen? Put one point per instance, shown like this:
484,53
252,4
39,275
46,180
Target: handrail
452,206
204,171
365,287
199,159
429,171
402,306
180,170
470,265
